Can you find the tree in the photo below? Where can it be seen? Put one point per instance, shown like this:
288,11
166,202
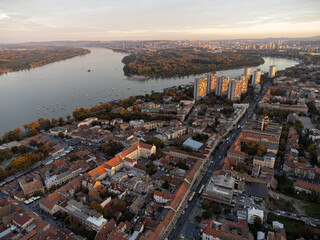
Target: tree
217,208
81,114
61,121
104,194
110,148
33,143
227,211
151,168
258,223
23,149
96,206
73,157
5,154
33,132
61,135
198,218
205,205
45,149
3,174
166,185
207,214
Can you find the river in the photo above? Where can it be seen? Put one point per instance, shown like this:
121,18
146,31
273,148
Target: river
57,89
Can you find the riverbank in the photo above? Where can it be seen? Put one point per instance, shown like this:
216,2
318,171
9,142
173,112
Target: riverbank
185,62
59,88
16,60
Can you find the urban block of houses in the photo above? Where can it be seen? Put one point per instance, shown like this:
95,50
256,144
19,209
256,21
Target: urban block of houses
127,158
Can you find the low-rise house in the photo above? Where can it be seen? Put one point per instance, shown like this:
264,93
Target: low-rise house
306,187
56,130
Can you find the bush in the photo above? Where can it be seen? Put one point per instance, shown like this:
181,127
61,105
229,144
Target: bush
198,218
207,214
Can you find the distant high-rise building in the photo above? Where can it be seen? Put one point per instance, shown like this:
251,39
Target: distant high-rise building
212,82
234,89
247,71
256,76
200,88
272,71
222,85
279,43
244,83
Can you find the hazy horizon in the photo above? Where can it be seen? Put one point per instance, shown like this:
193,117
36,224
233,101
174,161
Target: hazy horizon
81,20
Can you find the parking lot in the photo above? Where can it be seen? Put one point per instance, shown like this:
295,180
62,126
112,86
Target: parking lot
241,201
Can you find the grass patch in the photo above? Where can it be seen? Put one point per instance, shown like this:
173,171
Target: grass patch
312,209
258,202
294,229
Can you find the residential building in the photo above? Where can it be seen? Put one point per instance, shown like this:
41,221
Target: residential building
220,189
127,158
253,214
244,83
88,217
272,71
267,160
247,71
234,90
222,86
256,76
200,88
303,186
212,82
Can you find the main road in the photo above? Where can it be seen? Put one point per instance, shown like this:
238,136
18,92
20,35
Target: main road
213,162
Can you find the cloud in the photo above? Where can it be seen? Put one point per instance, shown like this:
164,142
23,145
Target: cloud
4,16
112,19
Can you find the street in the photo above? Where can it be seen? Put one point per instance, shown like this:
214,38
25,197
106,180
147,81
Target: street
213,162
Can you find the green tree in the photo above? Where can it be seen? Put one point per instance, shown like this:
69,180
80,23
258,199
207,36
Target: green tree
198,218
207,214
166,185
258,224
3,174
217,208
61,135
205,205
151,168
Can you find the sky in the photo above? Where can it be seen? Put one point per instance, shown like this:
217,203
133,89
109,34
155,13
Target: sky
104,20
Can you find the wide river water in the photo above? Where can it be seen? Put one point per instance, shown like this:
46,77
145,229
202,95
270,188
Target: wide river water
57,89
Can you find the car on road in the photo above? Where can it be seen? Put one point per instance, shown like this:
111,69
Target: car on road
182,212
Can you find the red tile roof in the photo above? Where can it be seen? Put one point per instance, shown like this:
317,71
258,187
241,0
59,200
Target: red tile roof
162,194
50,200
97,172
212,232
21,218
106,230
308,186
179,195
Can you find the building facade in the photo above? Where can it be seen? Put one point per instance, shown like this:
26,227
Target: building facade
256,76
222,86
200,88
272,71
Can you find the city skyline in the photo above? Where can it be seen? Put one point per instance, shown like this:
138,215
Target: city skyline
34,20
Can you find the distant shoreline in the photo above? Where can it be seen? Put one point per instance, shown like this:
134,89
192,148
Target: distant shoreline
171,63
42,60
